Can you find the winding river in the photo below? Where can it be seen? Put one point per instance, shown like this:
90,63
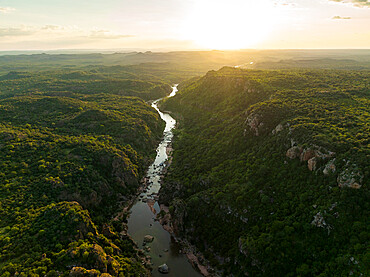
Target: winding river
141,222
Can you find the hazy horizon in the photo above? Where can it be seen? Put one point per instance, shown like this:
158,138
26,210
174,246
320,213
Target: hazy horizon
148,50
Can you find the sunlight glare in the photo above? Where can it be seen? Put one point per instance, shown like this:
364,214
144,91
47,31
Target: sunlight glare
229,24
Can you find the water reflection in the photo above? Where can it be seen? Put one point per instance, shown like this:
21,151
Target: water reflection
142,220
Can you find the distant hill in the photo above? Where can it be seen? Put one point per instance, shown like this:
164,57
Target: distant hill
184,62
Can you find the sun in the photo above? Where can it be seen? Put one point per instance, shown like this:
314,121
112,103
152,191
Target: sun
229,24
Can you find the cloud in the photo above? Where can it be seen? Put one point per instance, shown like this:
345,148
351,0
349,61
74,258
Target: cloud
52,27
53,31
52,36
105,34
341,17
6,10
357,3
16,31
285,4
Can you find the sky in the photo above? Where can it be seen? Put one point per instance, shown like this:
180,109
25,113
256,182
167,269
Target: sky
184,24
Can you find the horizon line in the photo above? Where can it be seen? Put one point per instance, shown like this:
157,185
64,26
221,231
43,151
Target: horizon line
145,50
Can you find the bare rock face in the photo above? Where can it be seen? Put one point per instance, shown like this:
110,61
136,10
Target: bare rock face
312,163
312,155
278,129
319,221
294,152
350,177
254,123
329,167
307,154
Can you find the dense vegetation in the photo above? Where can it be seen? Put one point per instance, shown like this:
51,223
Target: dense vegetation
76,137
74,145
71,83
177,66
270,175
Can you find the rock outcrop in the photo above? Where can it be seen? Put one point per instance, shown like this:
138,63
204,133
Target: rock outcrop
319,221
307,154
255,124
312,155
312,163
329,167
278,129
350,177
294,152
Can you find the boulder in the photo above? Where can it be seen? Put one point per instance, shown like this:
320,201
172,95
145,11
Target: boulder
148,238
312,163
163,269
351,178
294,152
277,129
307,154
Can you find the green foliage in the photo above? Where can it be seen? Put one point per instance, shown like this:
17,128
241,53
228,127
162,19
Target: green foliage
80,84
76,136
67,161
245,199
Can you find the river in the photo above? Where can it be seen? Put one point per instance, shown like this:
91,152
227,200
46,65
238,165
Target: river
141,222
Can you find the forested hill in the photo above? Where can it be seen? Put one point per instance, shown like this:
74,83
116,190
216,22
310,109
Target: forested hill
73,148
270,175
77,83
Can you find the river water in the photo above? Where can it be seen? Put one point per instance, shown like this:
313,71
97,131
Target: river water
141,222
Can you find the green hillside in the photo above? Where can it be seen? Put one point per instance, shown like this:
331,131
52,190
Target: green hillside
270,175
73,150
72,83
